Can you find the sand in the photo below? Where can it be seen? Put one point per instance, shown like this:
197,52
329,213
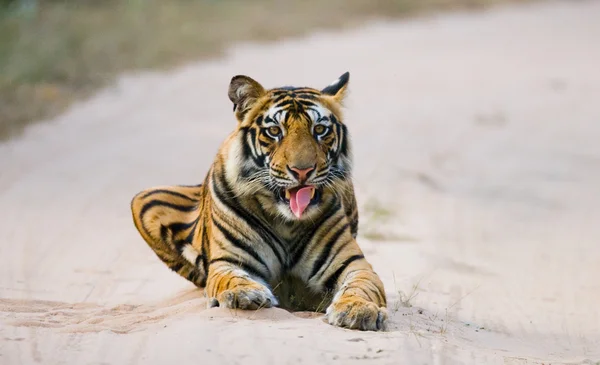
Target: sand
477,155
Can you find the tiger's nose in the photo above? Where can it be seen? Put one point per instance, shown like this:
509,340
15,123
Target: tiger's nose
301,174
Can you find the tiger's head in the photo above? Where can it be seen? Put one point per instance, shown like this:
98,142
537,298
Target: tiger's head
291,148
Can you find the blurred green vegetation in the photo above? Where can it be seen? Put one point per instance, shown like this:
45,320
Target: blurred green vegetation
53,52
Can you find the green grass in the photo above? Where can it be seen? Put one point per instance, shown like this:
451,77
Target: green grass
59,51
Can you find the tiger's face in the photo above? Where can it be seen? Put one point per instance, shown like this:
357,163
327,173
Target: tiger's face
293,148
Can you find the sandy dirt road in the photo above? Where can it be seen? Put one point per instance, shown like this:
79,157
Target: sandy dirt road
477,154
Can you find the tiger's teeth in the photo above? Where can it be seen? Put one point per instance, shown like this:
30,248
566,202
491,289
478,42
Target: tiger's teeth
287,194
312,193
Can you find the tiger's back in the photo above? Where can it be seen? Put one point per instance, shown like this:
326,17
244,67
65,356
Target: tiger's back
170,218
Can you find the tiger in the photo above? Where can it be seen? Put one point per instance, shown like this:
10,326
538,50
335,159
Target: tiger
275,221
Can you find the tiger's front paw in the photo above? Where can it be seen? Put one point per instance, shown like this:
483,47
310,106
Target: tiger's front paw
247,297
356,313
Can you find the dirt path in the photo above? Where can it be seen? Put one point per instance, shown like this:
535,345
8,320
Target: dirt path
478,172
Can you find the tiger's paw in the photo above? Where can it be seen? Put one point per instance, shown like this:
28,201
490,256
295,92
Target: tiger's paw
356,313
246,297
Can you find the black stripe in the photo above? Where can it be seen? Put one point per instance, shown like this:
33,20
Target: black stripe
248,171
344,141
205,251
293,112
169,192
177,267
227,220
193,276
257,156
284,103
319,116
327,250
227,197
280,172
336,253
303,243
179,245
199,260
305,90
322,173
164,231
307,104
249,147
190,236
244,266
252,142
179,226
280,97
337,138
354,227
332,279
253,222
240,244
265,235
246,149
153,203
307,96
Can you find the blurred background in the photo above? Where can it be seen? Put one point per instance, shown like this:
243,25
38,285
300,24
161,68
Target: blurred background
475,127
55,51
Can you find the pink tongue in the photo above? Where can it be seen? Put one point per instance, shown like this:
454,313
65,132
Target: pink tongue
299,200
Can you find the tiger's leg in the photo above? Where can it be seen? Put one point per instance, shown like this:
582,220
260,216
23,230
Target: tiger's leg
167,218
231,286
359,301
333,263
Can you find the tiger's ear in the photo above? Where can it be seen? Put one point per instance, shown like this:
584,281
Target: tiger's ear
337,89
244,92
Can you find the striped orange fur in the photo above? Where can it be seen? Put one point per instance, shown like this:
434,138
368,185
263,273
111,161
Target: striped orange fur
275,221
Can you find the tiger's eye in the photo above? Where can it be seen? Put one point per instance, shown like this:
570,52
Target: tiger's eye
274,131
320,129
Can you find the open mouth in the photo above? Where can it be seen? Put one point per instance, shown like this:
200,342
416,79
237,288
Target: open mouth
300,197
